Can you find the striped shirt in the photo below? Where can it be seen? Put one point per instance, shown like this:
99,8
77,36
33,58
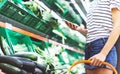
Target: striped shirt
99,19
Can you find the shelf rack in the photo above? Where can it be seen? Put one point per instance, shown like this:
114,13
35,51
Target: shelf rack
26,30
36,36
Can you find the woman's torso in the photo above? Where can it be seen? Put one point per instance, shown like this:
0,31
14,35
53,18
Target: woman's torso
99,20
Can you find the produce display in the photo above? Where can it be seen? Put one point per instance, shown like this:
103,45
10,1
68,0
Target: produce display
41,61
14,64
21,54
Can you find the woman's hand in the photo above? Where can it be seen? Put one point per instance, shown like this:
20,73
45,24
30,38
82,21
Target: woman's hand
97,59
1,72
76,27
71,25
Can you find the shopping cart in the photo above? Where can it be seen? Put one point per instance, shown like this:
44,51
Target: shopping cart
88,62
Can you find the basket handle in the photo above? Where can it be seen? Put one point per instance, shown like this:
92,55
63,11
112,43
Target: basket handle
88,62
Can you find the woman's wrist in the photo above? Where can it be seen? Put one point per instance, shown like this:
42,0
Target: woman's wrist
102,53
78,28
81,30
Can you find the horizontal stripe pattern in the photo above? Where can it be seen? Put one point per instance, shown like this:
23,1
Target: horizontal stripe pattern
99,19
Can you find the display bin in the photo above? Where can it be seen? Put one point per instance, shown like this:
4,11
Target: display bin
18,13
17,42
43,26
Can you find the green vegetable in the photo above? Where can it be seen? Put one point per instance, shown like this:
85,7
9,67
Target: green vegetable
39,51
4,46
31,56
31,5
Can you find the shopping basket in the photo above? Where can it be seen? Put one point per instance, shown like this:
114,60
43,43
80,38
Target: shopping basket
88,62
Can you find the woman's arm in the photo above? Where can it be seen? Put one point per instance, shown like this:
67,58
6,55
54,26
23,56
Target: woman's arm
98,58
115,32
76,27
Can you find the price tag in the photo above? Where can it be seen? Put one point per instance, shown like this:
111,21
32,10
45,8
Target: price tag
9,26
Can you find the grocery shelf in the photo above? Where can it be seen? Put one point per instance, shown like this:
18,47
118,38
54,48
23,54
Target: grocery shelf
9,26
25,33
29,31
36,36
19,25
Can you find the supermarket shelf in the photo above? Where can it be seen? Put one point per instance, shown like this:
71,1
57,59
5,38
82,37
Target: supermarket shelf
9,26
66,46
19,25
21,28
36,36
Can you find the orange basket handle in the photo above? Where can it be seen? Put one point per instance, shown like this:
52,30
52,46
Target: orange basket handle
88,62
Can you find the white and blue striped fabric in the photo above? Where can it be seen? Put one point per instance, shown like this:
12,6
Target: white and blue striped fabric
99,19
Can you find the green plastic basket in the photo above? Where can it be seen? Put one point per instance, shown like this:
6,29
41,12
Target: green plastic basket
15,39
18,13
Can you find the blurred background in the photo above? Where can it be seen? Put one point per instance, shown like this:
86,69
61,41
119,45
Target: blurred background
35,29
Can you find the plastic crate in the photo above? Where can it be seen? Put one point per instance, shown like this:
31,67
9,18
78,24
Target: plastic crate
15,39
43,26
18,13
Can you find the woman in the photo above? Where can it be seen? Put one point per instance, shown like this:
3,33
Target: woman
103,30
